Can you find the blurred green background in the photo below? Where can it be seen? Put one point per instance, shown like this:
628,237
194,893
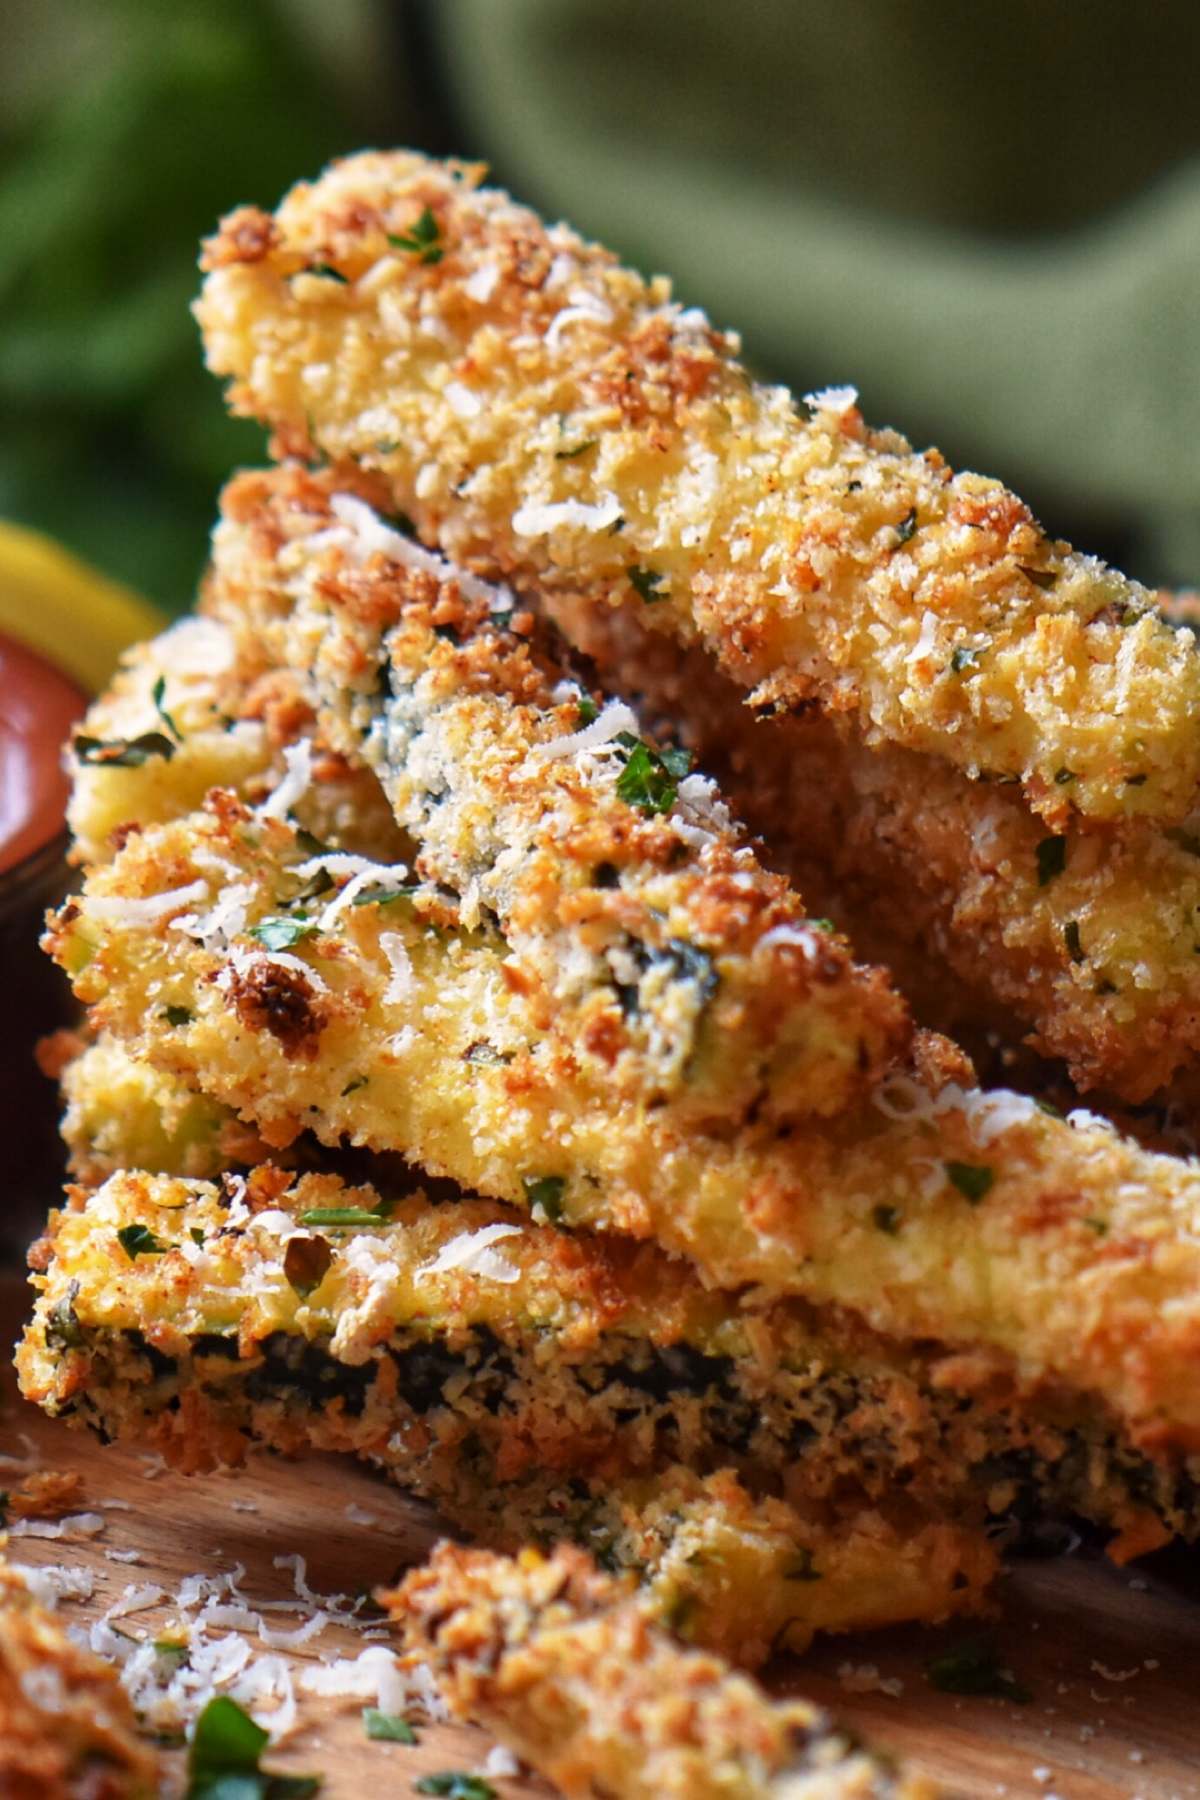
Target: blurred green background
987,218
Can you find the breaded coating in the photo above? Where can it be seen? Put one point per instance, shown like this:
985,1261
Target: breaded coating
1052,1251
1082,943
570,1669
565,1353
200,707
120,1113
67,1728
543,413
670,962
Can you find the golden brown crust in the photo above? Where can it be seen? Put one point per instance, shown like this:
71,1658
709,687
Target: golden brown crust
540,411
67,1730
569,1669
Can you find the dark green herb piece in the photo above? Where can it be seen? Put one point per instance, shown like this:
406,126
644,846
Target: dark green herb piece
907,526
588,711
802,1568
1071,940
1051,859
306,1262
424,239
618,524
1099,1226
158,692
124,753
62,1325
1062,776
486,1055
196,1235
400,521
1050,1111
139,1240
1135,781
387,1728
317,884
455,1786
352,1087
821,924
326,269
177,1015
650,778
1041,578
547,1192
223,1761
383,896
974,1668
649,585
575,450
967,656
280,934
173,1649
971,1179
342,1215
886,1218
309,843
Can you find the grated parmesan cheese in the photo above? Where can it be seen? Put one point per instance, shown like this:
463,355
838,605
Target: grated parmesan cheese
400,985
471,1252
615,718
296,782
147,907
532,520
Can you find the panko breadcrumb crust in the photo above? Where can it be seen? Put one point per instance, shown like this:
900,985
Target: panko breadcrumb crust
543,413
67,1728
1047,1252
571,1670
1083,942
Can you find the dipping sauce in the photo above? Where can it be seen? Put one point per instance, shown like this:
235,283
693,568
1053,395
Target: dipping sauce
38,707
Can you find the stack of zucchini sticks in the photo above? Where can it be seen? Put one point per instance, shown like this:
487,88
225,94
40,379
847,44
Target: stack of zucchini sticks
464,1087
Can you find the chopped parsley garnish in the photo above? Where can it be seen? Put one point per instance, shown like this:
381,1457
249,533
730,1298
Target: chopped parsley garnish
973,1180
1063,776
1099,1226
907,526
196,1235
546,1192
280,934
387,1728
423,240
575,450
1051,859
383,896
177,1015
317,884
1071,940
974,1668
486,1055
587,710
1051,1112
62,1325
306,1262
124,753
966,656
648,585
650,778
455,1786
158,693
886,1218
352,1087
342,1215
325,269
223,1760
139,1240
802,1568
1041,578
172,1648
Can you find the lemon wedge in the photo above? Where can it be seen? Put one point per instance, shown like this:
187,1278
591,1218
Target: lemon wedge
58,605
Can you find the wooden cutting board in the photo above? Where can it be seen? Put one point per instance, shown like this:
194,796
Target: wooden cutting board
1111,1657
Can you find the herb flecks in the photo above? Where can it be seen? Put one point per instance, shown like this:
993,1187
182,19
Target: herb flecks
139,1240
124,753
342,1215
648,584
974,1668
177,1015
965,657
280,934
1051,859
223,1760
1041,578
422,240
325,270
587,711
387,1728
650,778
973,1180
159,693
886,1219
1072,940
907,526
544,1194
453,1784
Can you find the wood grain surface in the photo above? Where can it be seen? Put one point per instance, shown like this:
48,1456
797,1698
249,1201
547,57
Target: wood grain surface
1111,1657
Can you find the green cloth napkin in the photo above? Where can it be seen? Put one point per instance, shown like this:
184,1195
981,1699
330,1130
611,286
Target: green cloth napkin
986,218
